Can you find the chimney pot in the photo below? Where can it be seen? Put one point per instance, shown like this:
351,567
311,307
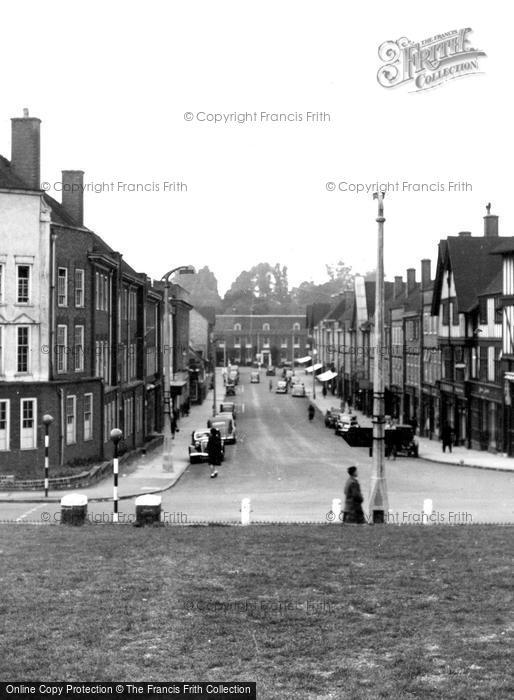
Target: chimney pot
464,234
490,223
25,149
425,273
73,194
25,112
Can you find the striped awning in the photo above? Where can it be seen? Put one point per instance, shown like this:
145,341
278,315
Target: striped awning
314,368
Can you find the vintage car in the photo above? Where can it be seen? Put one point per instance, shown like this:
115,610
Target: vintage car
345,422
198,446
270,371
228,407
230,389
233,376
281,387
224,422
401,441
255,377
332,416
298,389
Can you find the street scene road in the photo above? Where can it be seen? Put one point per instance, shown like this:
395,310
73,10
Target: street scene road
291,469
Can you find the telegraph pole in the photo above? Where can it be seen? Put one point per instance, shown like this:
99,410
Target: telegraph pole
378,503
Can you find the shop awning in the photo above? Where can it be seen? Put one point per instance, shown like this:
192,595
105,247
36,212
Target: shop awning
303,360
178,383
326,376
314,368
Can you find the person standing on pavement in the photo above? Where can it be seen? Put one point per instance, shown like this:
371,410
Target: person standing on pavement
446,437
214,450
271,384
353,512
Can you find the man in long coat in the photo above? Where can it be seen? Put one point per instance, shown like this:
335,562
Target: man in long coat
353,512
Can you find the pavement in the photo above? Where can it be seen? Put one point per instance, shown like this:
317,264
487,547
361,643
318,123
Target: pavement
430,450
136,479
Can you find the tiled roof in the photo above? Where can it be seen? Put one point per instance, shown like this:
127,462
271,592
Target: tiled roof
8,180
473,268
496,285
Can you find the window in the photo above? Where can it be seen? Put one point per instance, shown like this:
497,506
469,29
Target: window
237,326
296,341
62,286
139,414
22,349
455,314
88,416
4,425
483,363
266,341
482,310
79,349
1,350
125,311
283,342
132,305
62,340
28,412
265,326
79,288
128,416
71,427
1,283
296,326
498,310
102,291
446,312
23,284
490,363
132,361
237,341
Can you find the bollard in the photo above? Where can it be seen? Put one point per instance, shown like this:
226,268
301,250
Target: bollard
148,509
427,510
245,511
73,509
336,510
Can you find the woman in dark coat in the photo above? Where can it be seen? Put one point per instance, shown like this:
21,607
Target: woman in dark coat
353,512
214,451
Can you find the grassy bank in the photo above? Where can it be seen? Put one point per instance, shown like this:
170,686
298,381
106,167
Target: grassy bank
306,611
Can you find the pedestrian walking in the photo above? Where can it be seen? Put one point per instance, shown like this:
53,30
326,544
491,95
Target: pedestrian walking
447,437
353,512
271,384
214,450
324,391
311,411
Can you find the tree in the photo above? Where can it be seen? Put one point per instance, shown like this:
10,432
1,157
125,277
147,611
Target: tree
340,278
262,289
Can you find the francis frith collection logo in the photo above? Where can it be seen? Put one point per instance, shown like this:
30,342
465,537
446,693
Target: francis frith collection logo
428,63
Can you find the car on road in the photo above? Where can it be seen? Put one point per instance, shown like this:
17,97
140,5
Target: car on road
345,422
281,387
332,416
401,440
270,371
298,389
228,407
233,376
255,377
224,422
198,447
230,389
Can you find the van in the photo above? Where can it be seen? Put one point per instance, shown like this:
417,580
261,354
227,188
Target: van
224,422
255,377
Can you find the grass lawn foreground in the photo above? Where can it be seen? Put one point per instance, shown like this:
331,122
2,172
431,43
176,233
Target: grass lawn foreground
306,611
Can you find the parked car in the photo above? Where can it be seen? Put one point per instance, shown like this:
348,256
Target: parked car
401,441
224,422
298,389
345,422
332,416
233,376
255,377
230,389
228,407
270,372
198,446
281,387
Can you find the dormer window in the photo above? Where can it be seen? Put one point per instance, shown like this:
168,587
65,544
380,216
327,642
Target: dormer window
296,326
237,326
265,326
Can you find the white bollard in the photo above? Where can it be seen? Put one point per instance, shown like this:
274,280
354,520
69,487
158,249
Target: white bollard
427,510
336,510
245,511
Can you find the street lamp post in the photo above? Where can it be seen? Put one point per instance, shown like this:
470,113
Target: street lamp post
47,421
314,353
167,464
116,435
378,502
213,355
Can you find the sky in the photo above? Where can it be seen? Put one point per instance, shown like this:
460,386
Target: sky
128,93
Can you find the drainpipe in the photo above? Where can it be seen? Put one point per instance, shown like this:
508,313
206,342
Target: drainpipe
61,427
51,311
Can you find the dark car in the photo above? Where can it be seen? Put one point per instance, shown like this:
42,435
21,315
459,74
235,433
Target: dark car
198,447
332,416
230,389
401,441
270,372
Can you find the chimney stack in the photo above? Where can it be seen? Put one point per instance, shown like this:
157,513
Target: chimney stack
411,280
25,149
490,223
464,234
398,286
425,273
73,194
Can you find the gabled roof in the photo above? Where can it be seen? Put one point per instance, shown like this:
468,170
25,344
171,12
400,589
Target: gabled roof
8,179
472,266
